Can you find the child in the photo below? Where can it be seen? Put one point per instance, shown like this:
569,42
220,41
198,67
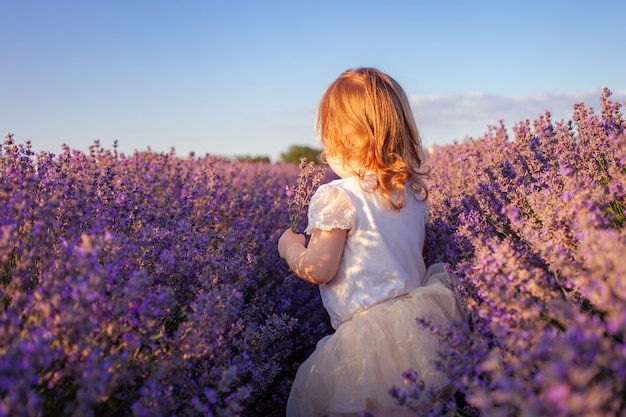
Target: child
365,253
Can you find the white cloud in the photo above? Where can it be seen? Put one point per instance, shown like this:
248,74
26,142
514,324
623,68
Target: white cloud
443,118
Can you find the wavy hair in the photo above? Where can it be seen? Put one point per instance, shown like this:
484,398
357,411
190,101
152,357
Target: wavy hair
364,120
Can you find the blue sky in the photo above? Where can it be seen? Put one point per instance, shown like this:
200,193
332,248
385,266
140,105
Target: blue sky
244,77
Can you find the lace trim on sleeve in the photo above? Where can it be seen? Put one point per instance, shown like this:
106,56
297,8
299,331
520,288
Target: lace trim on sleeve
330,208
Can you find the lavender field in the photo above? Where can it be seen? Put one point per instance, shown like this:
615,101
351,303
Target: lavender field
150,284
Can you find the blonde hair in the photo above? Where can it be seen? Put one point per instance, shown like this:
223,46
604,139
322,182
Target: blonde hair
364,120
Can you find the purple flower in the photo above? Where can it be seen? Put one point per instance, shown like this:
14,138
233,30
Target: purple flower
310,178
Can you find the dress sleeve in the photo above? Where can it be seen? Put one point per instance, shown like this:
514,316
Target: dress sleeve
330,208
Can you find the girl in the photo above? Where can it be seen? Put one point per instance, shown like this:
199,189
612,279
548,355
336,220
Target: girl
365,253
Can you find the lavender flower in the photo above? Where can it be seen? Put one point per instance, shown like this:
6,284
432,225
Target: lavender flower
310,178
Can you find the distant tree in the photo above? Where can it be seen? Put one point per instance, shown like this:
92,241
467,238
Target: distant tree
247,158
295,152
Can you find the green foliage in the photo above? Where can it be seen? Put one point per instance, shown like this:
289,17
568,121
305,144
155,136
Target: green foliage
259,158
617,210
295,152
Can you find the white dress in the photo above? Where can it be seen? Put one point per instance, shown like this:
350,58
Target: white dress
381,287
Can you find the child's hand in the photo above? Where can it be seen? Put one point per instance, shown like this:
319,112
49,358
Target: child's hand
288,239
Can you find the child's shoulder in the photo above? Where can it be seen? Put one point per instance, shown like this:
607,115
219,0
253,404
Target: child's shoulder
341,191
345,184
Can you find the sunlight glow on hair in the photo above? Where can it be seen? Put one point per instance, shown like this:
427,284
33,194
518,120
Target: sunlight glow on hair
365,120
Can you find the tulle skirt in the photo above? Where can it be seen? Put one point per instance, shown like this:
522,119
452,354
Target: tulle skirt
353,370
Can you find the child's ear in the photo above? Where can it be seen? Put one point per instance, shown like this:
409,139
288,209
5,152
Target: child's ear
322,157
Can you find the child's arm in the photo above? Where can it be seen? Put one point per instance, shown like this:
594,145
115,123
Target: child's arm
318,262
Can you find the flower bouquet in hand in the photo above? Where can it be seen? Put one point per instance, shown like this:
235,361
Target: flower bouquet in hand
310,177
